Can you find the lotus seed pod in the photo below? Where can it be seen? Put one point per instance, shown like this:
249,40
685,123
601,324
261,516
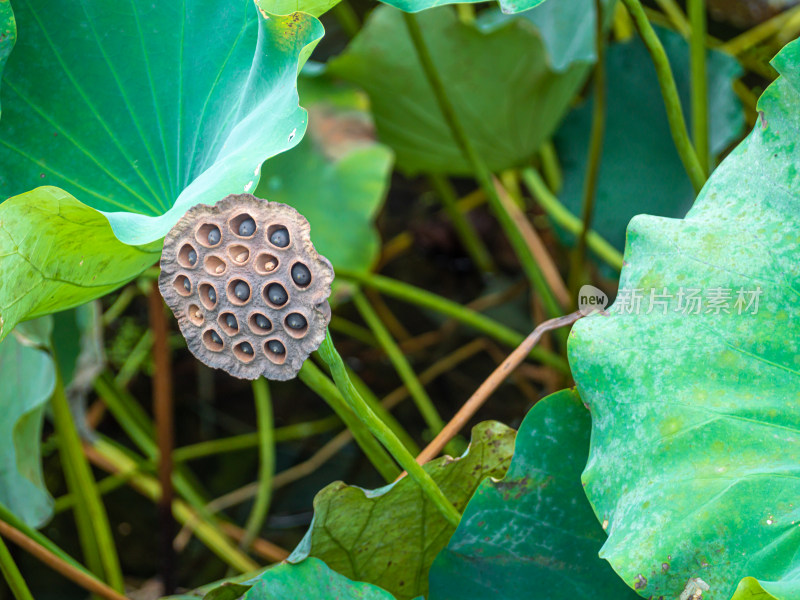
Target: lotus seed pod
247,287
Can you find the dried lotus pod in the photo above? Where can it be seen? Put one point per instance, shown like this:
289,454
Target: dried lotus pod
247,287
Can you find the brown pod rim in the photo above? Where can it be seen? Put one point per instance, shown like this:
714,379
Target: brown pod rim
241,348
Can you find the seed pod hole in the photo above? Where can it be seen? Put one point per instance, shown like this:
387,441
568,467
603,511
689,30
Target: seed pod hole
278,236
260,324
213,341
229,323
195,315
301,275
187,257
243,225
265,263
239,292
275,295
208,295
239,254
209,235
182,285
275,351
215,266
295,324
244,352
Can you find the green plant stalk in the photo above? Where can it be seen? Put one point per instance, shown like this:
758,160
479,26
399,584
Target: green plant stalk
120,304
676,16
763,31
419,297
347,17
384,415
244,441
83,521
467,234
599,99
350,329
140,430
318,382
104,486
466,13
90,513
669,91
697,63
564,218
266,462
480,170
205,531
10,518
427,485
12,575
551,169
127,413
404,369
134,361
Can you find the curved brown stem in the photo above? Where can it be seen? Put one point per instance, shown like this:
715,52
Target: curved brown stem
491,383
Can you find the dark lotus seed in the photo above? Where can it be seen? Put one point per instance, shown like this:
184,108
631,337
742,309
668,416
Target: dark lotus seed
215,338
280,237
186,285
230,321
241,290
247,227
191,256
246,348
214,236
275,347
263,322
296,321
212,295
301,275
276,294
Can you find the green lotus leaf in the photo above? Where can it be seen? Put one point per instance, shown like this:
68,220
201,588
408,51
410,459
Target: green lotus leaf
137,113
693,379
640,170
310,580
8,35
491,69
507,6
29,377
534,529
56,253
390,536
337,177
142,112
315,8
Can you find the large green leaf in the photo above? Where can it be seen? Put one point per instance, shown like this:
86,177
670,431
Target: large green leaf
640,170
55,253
313,580
337,176
286,7
695,457
532,534
138,112
508,6
28,378
8,34
505,93
391,535
309,580
143,111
